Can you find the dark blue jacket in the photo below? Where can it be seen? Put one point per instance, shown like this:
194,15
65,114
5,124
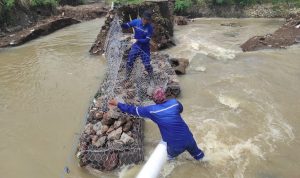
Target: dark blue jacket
172,127
143,33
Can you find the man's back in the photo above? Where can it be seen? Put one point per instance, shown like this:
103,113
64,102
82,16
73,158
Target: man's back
172,127
167,116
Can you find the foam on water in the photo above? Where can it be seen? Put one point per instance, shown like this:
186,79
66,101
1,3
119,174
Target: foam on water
229,101
212,50
232,138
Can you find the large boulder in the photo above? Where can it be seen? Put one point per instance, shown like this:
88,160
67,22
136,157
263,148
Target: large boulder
180,20
179,65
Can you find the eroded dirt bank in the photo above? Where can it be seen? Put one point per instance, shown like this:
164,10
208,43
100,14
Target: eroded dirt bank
61,17
286,35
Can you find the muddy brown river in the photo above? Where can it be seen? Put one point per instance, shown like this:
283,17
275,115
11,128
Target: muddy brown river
243,108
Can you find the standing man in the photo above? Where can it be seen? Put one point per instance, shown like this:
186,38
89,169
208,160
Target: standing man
166,114
141,47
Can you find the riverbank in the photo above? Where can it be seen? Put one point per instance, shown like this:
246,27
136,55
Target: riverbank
47,23
286,35
14,35
266,10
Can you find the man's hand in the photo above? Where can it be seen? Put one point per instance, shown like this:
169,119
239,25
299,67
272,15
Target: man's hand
120,22
113,102
133,40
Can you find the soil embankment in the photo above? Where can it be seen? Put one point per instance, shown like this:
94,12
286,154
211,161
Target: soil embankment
42,28
286,35
49,22
267,10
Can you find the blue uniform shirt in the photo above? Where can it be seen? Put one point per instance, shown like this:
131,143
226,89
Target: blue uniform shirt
143,33
172,127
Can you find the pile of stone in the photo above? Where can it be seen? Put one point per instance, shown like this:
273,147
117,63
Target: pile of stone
111,138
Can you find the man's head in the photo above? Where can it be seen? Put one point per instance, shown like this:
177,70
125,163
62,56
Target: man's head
159,95
147,17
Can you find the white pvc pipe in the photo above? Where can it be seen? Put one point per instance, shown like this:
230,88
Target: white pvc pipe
155,163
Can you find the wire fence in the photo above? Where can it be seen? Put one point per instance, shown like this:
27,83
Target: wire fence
111,138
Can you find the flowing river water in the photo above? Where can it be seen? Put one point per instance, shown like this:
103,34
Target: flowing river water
242,108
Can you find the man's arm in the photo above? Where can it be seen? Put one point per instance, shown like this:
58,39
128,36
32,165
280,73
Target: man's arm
148,36
180,107
129,24
131,109
134,110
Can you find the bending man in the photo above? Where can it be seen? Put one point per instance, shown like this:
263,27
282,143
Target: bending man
166,114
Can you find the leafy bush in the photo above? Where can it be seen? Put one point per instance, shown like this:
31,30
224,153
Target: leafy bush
242,2
44,2
128,1
182,5
9,3
288,2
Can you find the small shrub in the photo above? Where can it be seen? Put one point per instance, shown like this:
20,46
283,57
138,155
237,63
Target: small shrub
182,5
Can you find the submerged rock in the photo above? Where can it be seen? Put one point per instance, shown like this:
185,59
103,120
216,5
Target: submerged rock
179,65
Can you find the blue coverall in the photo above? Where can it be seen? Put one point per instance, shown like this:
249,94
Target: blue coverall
172,127
143,34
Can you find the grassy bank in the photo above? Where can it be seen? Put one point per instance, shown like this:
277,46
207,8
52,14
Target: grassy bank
183,5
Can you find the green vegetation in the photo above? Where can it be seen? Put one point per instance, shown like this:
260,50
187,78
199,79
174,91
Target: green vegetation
9,8
182,5
124,1
8,4
44,2
251,2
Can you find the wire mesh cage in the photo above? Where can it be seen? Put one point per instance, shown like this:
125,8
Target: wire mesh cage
111,138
